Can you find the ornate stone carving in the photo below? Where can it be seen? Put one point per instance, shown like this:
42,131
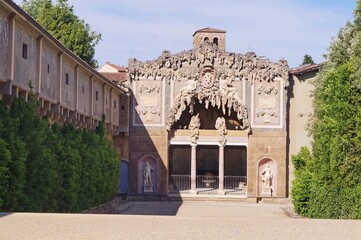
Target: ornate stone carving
267,114
267,90
149,89
171,67
222,130
194,126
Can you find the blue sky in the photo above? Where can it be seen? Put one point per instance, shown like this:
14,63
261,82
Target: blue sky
272,28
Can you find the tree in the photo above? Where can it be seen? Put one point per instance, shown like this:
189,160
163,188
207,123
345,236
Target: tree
328,185
60,20
307,59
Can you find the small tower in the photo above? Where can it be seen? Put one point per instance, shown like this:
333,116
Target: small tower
213,35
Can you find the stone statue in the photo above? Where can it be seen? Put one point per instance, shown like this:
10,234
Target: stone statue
194,126
267,176
222,130
147,174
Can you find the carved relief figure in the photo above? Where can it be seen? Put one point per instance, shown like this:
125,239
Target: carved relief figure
227,89
222,130
194,126
267,176
147,174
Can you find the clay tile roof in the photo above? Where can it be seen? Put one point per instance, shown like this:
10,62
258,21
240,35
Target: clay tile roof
208,29
306,68
119,68
115,77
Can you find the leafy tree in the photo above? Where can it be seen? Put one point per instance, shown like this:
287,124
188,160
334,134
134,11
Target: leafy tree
330,186
307,59
60,20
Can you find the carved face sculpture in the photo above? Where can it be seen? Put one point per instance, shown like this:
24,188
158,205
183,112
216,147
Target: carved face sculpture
208,79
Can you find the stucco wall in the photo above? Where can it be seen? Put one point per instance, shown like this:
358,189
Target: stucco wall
48,78
25,68
84,92
97,104
68,90
3,44
299,114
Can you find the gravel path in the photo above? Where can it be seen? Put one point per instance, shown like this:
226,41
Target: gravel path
199,220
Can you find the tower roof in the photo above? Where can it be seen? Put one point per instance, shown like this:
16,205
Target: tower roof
208,29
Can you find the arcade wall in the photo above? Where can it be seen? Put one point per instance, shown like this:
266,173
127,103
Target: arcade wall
69,89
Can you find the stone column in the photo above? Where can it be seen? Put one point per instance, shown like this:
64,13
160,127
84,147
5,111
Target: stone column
221,169
193,168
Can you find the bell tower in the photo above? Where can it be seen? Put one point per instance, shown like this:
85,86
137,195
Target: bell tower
215,36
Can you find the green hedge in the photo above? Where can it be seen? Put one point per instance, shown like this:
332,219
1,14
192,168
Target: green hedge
46,168
328,182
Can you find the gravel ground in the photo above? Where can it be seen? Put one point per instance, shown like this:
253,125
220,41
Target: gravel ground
198,220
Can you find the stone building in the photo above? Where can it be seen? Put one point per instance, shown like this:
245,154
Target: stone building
202,121
209,120
69,90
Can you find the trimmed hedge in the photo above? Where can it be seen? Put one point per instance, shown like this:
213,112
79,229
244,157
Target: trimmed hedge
46,168
328,183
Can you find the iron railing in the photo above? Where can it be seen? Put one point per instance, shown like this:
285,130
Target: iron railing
180,182
235,182
183,182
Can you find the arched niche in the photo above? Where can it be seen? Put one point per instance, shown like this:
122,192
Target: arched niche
153,163
262,165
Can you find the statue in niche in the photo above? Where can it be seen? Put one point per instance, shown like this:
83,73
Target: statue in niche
267,176
147,174
194,126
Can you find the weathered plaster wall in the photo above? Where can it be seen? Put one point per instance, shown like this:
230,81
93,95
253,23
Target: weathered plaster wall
68,90
84,92
300,111
4,26
25,68
50,61
98,103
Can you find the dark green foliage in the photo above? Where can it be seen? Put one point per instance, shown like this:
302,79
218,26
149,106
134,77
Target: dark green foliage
328,184
301,186
332,186
59,19
46,168
307,59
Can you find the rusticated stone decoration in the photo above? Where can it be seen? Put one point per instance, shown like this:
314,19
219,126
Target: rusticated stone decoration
218,92
183,65
222,130
194,126
210,72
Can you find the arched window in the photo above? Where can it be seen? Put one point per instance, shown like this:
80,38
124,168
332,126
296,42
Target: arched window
215,41
206,39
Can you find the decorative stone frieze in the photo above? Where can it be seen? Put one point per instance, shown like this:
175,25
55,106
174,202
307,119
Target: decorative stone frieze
184,65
